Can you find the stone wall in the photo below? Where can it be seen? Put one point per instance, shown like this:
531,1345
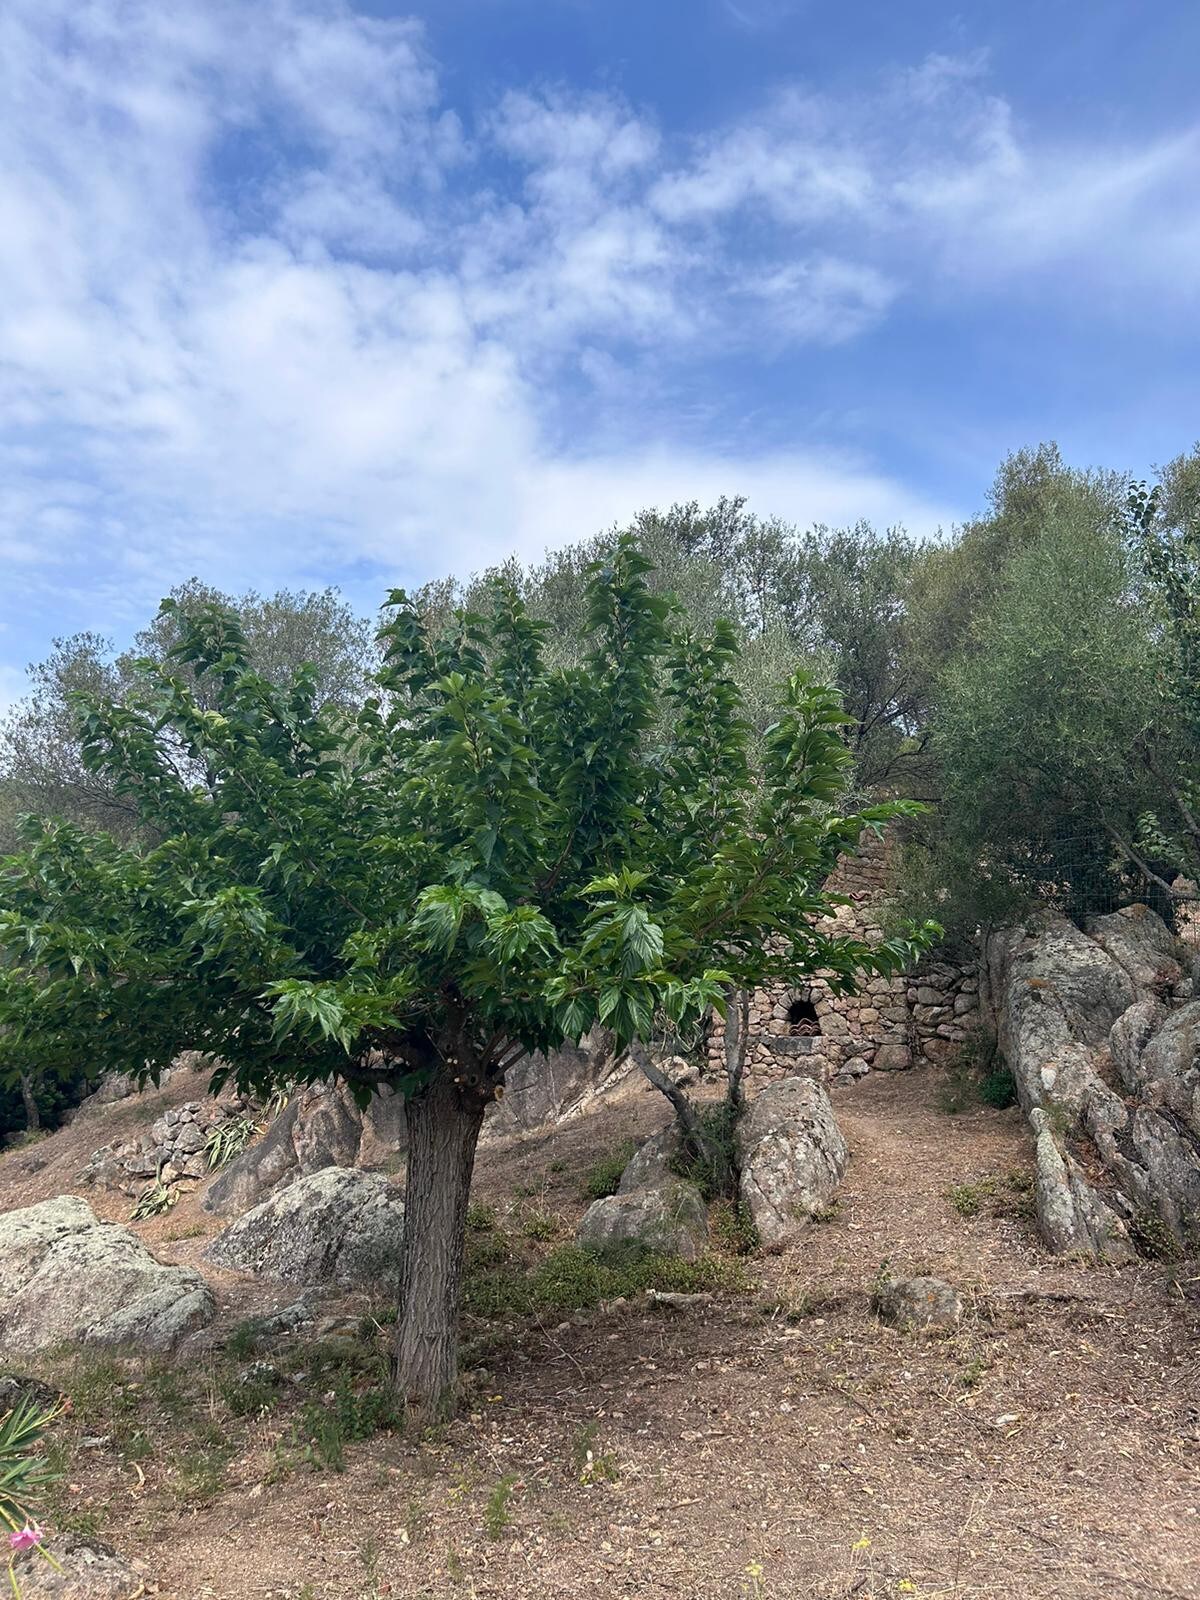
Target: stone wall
172,1150
886,1026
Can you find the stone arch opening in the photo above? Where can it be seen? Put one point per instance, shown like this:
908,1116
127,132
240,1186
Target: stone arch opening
802,1018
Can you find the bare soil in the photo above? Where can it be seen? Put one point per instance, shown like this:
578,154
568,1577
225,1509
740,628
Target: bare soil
765,1445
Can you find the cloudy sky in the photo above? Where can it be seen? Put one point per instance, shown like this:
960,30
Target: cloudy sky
314,291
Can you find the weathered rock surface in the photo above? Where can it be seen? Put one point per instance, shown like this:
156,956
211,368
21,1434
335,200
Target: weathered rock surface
542,1091
651,1163
918,1303
1168,1071
791,1154
1105,1058
65,1276
1140,942
333,1226
90,1570
667,1216
321,1126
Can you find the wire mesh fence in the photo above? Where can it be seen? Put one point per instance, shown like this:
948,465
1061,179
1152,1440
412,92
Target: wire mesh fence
1086,875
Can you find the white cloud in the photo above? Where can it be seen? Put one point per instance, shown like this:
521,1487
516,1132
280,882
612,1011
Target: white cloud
270,312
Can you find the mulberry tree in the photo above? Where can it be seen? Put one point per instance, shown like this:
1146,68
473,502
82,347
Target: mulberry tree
485,860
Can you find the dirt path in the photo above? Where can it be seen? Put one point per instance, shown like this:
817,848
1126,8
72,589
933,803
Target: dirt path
774,1446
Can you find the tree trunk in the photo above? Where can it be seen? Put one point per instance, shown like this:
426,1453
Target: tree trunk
33,1117
443,1130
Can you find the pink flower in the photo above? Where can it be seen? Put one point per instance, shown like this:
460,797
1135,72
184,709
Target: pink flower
27,1537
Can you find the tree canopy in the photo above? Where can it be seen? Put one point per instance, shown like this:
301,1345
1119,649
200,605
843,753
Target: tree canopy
485,858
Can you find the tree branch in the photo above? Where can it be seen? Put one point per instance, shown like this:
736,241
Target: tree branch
1147,870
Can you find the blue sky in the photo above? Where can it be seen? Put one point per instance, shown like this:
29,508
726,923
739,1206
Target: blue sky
305,292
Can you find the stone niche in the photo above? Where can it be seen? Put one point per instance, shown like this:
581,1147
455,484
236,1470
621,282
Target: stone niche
887,1026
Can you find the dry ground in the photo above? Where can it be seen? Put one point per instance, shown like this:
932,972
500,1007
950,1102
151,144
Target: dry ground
772,1444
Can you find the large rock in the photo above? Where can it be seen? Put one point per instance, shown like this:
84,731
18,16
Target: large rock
334,1226
67,1277
667,1216
1107,1073
1169,1066
1140,942
1060,993
1129,1036
321,1126
918,1304
652,1161
1072,1215
791,1155
542,1091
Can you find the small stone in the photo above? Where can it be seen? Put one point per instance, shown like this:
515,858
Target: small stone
939,1051
917,1303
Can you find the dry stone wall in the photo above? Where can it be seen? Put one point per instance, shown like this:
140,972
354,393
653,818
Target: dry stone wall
171,1150
887,1026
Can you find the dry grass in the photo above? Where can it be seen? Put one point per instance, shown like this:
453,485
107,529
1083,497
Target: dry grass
771,1446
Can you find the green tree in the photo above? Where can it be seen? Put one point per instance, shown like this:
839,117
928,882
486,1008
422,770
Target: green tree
484,861
41,763
955,581
1049,730
853,586
1164,529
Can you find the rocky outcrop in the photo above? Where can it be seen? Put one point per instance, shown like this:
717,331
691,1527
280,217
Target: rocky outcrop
67,1277
667,1216
333,1226
1101,1034
652,1161
791,1156
324,1126
543,1091
922,1303
654,1207
320,1126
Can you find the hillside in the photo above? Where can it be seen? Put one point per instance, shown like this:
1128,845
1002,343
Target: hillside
775,1441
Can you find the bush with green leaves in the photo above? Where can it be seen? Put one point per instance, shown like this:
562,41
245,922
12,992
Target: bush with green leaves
26,1474
603,1177
488,858
228,1139
154,1200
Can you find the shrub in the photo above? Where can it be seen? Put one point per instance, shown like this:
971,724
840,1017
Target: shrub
714,1169
591,1464
604,1175
227,1140
977,1076
999,1089
732,1226
154,1201
496,1516
24,1473
576,1278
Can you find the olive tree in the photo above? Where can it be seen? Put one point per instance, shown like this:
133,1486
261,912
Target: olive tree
486,859
41,762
